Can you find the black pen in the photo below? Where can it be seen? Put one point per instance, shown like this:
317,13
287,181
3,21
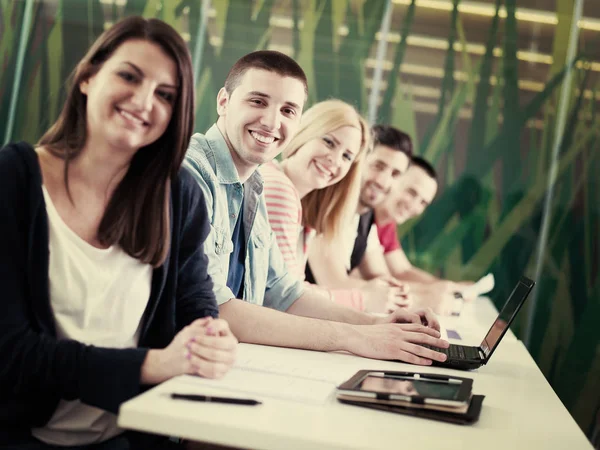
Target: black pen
211,399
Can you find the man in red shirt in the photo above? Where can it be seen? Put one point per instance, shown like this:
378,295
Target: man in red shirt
414,191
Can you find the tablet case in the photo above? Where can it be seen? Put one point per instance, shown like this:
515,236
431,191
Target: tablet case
349,386
470,417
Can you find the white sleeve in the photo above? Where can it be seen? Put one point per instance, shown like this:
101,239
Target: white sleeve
373,240
349,237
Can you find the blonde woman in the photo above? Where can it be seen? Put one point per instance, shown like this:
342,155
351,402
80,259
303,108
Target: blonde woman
315,189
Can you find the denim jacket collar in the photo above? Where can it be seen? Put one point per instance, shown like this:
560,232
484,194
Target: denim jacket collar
225,169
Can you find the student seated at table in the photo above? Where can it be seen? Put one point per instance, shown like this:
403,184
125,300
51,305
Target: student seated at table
314,190
411,194
259,111
358,246
104,279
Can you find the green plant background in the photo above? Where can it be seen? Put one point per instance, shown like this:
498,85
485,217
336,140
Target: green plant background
489,213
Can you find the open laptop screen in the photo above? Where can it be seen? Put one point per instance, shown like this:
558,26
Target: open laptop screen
506,316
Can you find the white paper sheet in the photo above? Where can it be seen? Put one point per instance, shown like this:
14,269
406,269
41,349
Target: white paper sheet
259,385
297,363
483,286
297,375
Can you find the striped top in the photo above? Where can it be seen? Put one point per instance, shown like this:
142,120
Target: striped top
285,216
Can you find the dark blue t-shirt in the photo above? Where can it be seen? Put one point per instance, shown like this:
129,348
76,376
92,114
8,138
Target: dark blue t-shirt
235,277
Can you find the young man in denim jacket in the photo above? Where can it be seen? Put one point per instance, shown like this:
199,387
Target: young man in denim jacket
259,112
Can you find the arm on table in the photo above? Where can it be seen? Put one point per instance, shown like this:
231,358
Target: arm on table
311,321
400,267
328,269
379,294
426,289
396,261
387,340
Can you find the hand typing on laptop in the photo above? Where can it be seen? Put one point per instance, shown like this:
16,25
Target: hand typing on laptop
424,317
403,334
468,357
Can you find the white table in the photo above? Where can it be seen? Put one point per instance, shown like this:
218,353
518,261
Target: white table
520,410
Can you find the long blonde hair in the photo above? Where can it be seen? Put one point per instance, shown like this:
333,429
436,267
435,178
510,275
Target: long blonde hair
326,209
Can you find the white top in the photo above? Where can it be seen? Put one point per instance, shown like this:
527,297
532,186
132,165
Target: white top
98,297
350,232
373,243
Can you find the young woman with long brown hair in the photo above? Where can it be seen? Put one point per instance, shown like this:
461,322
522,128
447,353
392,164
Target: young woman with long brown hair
104,278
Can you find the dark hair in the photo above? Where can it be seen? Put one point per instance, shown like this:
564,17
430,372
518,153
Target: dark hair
423,164
393,138
268,60
137,215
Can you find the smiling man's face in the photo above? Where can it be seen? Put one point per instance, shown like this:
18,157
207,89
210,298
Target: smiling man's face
409,197
260,116
384,166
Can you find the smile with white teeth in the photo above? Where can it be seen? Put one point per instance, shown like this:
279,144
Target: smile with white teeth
131,117
325,171
262,139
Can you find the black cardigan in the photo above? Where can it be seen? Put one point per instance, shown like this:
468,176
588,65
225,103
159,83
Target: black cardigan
37,369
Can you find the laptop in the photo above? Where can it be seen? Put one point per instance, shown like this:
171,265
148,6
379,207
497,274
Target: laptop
467,358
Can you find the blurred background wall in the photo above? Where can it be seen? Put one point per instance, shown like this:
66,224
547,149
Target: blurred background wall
501,96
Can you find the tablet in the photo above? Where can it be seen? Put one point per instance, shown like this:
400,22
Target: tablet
388,387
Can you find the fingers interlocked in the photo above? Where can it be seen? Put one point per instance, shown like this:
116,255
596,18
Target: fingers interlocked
210,349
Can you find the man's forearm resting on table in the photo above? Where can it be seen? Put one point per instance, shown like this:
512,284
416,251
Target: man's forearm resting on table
401,268
416,275
261,325
316,304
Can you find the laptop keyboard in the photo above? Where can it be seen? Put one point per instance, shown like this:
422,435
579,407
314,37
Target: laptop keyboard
457,351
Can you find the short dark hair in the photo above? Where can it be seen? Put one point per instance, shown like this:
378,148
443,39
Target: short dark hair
393,138
268,60
423,164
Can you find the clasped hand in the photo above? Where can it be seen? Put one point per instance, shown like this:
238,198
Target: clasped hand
206,347
386,294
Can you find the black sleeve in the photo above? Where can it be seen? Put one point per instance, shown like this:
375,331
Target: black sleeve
35,362
195,296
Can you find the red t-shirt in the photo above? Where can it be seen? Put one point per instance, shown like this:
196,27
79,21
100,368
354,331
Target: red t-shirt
388,237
